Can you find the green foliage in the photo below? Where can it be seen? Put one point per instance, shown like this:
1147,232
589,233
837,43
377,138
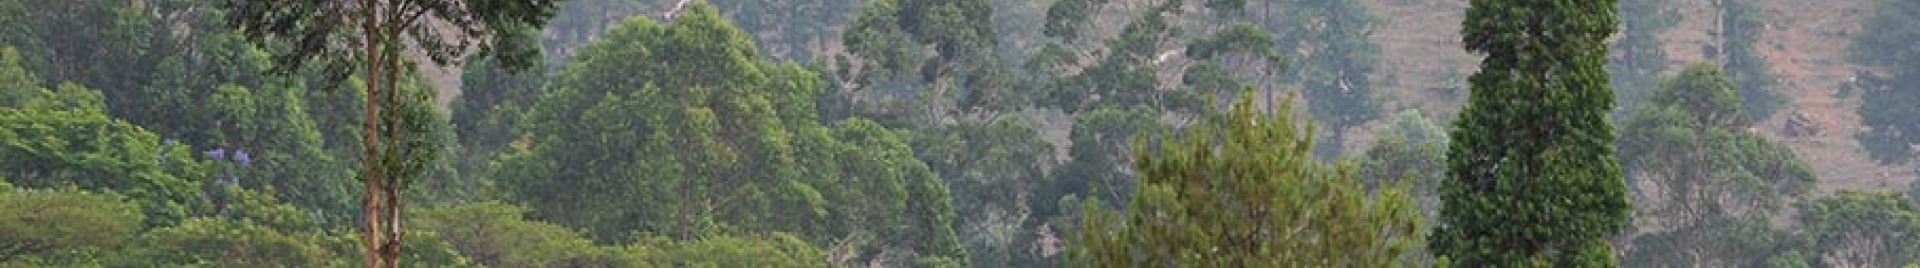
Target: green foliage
1102,153
681,129
1691,145
496,234
995,168
65,138
777,250
1744,22
61,227
1854,228
105,44
1333,59
1241,190
17,85
888,38
1642,59
489,107
1886,43
1410,149
1711,185
1720,241
1533,181
212,242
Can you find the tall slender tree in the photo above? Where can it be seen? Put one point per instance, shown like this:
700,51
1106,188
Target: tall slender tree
1533,180
370,36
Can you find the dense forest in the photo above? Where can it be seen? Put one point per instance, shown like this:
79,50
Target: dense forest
937,133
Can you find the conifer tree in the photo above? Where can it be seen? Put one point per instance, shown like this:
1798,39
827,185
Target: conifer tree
1533,180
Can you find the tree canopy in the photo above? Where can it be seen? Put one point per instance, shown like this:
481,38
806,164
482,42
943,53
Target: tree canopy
1240,189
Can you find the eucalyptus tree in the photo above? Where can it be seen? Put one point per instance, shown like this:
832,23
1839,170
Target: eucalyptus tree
1711,185
371,36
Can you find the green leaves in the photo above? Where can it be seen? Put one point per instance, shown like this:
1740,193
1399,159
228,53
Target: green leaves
1716,182
689,134
1533,178
65,226
1241,190
1866,228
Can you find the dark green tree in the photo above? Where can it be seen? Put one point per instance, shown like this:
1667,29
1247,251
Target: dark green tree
1743,22
1533,181
1636,72
1887,105
1332,58
489,107
1241,189
1410,149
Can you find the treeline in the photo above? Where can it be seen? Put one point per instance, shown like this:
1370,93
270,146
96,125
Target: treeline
919,133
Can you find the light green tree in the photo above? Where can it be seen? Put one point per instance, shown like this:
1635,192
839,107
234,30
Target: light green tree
65,138
65,226
1862,228
1240,189
1711,185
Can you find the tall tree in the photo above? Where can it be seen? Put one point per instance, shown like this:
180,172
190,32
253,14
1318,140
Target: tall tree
683,129
1533,178
1637,70
1711,185
1242,190
341,36
1887,105
1862,229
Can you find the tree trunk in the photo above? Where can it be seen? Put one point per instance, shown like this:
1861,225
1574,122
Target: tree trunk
369,140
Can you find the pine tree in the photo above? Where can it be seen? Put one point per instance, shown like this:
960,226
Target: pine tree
1534,181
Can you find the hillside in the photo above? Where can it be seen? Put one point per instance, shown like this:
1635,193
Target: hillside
1804,43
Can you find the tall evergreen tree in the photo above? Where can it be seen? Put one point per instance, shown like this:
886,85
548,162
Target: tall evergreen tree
1534,182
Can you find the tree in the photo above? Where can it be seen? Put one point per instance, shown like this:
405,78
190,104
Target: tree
1711,184
46,227
65,138
682,129
1636,72
17,84
1410,148
1102,157
1333,59
1864,229
995,168
1533,181
495,234
777,250
1743,23
1240,189
1886,44
489,107
342,33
